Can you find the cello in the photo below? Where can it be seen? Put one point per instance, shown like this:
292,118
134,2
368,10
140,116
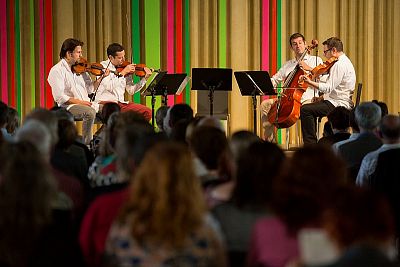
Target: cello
286,110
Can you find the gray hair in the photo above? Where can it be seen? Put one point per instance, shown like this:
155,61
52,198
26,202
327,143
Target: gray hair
368,115
36,133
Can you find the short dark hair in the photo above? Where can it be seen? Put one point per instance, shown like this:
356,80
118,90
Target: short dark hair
390,127
113,48
3,113
295,36
339,118
334,42
383,106
69,46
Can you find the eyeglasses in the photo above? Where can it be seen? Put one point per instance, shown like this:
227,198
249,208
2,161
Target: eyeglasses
325,51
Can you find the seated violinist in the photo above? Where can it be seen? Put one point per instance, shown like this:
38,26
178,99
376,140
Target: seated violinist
71,89
338,89
302,59
112,88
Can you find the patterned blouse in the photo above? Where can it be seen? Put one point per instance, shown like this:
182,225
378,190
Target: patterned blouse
203,248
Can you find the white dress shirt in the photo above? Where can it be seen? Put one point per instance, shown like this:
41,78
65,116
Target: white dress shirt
65,85
368,165
289,66
339,86
112,88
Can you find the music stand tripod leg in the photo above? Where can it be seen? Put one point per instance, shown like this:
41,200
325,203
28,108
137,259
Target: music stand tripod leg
254,97
211,98
153,103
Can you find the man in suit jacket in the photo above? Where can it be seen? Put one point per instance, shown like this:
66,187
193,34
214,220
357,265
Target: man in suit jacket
368,116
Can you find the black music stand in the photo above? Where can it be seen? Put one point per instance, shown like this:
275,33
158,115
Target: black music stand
171,84
254,83
151,91
212,79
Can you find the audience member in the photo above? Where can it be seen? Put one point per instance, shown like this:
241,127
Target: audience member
338,118
368,116
355,132
33,230
164,222
250,198
3,121
160,115
389,131
132,143
301,194
12,121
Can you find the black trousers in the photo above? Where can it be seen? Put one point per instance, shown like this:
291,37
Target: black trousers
308,115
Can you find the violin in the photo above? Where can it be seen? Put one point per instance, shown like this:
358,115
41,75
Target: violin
83,66
139,69
319,70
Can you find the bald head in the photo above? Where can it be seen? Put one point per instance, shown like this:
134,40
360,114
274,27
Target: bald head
390,129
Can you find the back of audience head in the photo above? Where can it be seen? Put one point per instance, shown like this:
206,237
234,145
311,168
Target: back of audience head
108,109
67,134
12,120
132,143
170,193
240,141
27,192
209,144
211,121
389,129
352,121
253,183
63,114
36,133
160,115
383,106
180,112
3,114
339,118
307,185
368,116
49,119
349,224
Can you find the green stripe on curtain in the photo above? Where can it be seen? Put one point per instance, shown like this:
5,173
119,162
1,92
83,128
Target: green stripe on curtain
18,56
136,41
187,50
152,39
32,52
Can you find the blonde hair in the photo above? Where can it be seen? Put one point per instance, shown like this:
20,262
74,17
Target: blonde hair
166,202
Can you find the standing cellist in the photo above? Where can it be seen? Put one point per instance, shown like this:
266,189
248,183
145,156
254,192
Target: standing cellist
338,89
298,45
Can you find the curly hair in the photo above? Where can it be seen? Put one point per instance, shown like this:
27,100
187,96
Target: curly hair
166,203
307,185
348,223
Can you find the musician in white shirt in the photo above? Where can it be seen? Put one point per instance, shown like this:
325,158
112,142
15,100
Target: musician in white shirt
338,89
70,90
298,45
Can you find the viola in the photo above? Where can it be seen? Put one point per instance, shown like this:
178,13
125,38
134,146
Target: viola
139,69
286,111
84,66
319,70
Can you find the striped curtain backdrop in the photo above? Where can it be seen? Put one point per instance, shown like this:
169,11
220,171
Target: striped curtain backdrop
26,53
178,35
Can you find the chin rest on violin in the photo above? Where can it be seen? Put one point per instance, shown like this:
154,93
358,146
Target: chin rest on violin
83,66
139,69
